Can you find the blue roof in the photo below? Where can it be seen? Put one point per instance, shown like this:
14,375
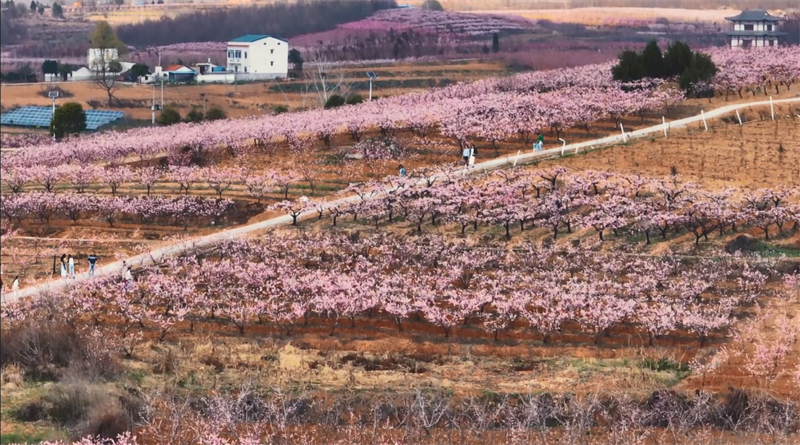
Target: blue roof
250,38
40,117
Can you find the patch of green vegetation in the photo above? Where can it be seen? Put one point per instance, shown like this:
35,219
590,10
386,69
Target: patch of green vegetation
664,364
35,436
768,250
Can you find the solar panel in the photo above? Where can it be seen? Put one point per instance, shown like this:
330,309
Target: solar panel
40,117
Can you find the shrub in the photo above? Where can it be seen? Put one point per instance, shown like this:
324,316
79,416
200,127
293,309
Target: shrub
46,350
354,99
279,109
89,408
334,101
194,116
216,113
169,116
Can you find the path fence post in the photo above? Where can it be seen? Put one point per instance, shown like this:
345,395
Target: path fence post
517,158
622,129
703,114
664,123
772,108
738,116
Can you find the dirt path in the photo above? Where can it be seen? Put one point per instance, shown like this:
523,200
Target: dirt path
208,240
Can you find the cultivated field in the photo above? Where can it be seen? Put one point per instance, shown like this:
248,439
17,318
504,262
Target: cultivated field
641,293
256,98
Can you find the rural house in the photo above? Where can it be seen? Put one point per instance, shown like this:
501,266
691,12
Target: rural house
755,27
260,55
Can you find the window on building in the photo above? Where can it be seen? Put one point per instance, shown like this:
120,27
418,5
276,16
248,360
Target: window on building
748,27
769,27
272,64
272,51
245,69
245,54
230,54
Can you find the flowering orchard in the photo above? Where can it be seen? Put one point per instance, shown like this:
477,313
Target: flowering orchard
490,110
293,284
561,202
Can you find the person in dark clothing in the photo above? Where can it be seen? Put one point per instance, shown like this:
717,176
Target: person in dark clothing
92,261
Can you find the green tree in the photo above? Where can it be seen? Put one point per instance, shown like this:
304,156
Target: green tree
279,109
653,60
215,113
701,69
354,99
50,67
296,59
629,68
33,5
334,101
677,58
68,119
194,116
104,37
139,70
495,42
169,116
432,5
58,11
106,67
40,9
64,70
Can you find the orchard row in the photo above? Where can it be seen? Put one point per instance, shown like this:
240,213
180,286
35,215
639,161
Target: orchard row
183,210
536,290
558,200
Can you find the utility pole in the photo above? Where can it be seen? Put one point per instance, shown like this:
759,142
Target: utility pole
372,76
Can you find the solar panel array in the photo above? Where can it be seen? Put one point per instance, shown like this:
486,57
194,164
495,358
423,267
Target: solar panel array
40,117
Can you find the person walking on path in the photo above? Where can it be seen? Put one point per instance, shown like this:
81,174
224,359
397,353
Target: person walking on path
63,265
15,284
466,154
71,264
540,142
92,261
402,171
128,279
122,272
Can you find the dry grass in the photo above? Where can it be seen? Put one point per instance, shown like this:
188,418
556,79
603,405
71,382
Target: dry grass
242,100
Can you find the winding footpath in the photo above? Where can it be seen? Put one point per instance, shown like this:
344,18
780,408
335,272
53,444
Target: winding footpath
208,240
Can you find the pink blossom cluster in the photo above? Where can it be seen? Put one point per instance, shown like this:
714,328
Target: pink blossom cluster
754,69
182,210
11,140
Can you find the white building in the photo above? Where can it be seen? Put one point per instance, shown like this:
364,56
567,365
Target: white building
259,55
754,27
99,56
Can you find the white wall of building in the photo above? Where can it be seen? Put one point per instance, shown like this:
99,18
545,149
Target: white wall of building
97,56
757,26
266,56
229,77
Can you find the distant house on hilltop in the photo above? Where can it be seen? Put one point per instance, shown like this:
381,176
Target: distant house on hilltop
266,56
754,27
